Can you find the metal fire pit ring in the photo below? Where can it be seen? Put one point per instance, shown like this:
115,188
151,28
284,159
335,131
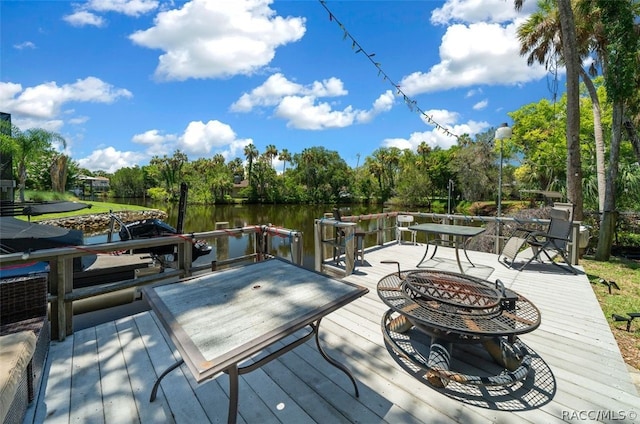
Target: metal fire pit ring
475,311
514,315
453,293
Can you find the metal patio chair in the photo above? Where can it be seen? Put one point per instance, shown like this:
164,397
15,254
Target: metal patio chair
552,242
403,222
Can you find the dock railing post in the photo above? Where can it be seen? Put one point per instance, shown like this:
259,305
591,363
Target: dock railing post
185,256
61,283
317,244
296,248
349,248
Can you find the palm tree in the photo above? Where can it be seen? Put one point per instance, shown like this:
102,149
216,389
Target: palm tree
251,153
25,146
271,152
620,81
606,29
571,58
423,150
540,38
285,157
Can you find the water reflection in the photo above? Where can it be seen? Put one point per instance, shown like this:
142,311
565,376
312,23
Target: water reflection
201,218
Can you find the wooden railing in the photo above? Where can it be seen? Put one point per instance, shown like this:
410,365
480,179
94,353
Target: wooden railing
61,275
384,225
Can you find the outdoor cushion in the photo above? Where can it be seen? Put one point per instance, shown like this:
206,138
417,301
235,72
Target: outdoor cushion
16,351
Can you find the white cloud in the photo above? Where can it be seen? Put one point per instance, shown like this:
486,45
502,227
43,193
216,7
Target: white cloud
152,138
300,106
45,100
78,120
479,10
24,45
110,160
435,137
475,54
86,13
384,103
304,112
82,18
481,105
441,116
217,39
41,105
473,92
277,86
201,138
126,7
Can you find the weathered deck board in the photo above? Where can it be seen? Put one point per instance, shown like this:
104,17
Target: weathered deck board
105,373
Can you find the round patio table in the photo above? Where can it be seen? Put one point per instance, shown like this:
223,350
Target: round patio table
455,308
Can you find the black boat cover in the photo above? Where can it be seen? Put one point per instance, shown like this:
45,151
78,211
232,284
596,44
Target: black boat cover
53,207
21,236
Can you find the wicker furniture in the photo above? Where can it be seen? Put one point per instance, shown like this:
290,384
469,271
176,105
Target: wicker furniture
24,342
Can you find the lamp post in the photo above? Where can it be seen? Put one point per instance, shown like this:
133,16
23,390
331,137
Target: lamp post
503,132
450,187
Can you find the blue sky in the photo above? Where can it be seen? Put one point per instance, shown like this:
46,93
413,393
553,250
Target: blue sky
124,80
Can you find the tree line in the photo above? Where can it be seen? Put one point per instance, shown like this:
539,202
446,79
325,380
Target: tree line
533,158
575,144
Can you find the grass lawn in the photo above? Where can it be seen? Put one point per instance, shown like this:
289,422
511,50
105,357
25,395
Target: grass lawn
96,208
626,275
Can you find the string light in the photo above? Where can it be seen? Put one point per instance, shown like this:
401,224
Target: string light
411,104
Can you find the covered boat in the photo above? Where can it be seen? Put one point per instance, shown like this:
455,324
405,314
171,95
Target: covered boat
150,228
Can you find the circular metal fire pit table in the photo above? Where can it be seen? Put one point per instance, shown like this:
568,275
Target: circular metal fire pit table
455,308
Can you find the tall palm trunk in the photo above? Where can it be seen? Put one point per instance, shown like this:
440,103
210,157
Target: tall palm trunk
572,63
609,214
598,137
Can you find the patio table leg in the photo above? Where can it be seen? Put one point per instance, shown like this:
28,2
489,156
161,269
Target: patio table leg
233,394
426,250
154,391
334,362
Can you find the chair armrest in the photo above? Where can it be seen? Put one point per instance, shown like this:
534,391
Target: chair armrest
548,236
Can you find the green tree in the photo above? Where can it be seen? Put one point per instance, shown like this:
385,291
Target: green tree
540,38
128,182
264,180
539,140
620,78
237,169
285,157
27,146
324,173
170,170
475,163
571,56
271,152
250,153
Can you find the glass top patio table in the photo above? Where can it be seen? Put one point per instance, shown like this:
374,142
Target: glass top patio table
221,319
461,231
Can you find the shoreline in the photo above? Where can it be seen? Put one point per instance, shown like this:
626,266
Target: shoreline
92,224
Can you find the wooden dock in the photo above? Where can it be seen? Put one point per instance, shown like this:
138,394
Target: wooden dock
105,373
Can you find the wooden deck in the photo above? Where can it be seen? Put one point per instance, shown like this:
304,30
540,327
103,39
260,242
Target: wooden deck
105,373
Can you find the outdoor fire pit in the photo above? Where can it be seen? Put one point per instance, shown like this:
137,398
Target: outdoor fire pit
453,308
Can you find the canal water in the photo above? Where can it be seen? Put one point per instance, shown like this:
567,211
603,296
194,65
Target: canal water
200,218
